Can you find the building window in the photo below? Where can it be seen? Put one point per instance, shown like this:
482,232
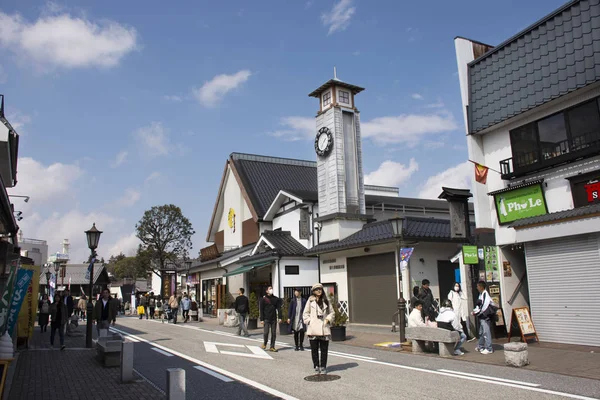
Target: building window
553,136
35,250
292,270
344,97
584,124
326,98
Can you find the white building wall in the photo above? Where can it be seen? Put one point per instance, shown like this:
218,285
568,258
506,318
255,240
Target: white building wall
38,250
339,276
291,222
155,284
308,276
428,269
232,198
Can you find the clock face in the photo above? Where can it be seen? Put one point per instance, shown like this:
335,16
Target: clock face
323,142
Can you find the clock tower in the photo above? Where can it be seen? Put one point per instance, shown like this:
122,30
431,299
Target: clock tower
339,160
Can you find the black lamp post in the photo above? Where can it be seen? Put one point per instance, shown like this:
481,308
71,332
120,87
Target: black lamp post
398,228
48,275
188,265
93,238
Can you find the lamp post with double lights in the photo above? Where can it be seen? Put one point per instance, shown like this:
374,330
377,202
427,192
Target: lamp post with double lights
93,238
398,228
48,275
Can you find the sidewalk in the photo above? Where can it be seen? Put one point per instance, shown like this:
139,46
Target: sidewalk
48,374
563,359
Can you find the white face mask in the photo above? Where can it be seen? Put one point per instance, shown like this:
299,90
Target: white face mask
456,288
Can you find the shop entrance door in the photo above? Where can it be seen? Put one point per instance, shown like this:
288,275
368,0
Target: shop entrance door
447,275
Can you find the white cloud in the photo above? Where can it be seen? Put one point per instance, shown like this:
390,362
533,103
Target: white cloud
296,128
129,198
391,173
459,177
119,159
154,139
17,119
434,144
407,128
213,91
44,183
173,98
63,40
125,244
153,176
338,19
417,96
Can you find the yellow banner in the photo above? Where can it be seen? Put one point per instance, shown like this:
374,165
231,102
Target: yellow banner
28,313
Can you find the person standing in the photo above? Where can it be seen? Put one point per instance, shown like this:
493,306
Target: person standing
459,305
58,315
82,305
152,305
186,304
295,319
144,304
482,312
317,317
68,299
270,307
174,306
242,306
44,308
426,296
105,312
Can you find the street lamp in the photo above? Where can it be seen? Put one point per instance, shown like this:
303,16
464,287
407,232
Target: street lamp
93,238
398,228
48,275
188,265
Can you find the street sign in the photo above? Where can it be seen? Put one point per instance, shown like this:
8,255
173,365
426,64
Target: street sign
255,351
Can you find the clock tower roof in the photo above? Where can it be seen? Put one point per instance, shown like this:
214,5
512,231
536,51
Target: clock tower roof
335,82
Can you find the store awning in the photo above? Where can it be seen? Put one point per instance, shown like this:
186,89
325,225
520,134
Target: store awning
248,268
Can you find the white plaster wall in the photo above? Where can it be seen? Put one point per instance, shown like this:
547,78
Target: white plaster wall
212,273
339,276
431,253
309,274
376,192
155,284
291,222
234,283
509,284
232,198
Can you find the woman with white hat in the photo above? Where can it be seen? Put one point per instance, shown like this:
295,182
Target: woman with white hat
317,317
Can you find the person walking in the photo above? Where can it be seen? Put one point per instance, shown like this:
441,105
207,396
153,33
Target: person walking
58,316
105,311
68,299
82,305
483,312
152,305
317,317
144,305
270,308
242,306
460,307
295,319
174,306
448,319
186,304
44,309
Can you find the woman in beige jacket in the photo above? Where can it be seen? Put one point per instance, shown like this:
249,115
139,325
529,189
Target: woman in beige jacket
317,317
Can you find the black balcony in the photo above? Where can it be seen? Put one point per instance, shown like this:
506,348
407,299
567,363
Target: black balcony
548,155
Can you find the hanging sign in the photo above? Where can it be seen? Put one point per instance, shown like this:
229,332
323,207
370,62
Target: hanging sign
405,254
470,254
520,203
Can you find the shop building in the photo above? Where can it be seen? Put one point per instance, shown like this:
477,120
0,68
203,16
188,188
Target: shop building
532,112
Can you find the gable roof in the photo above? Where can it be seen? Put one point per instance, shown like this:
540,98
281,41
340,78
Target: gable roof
77,274
283,243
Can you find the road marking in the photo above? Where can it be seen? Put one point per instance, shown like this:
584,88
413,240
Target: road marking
490,377
164,353
221,371
213,373
257,352
338,353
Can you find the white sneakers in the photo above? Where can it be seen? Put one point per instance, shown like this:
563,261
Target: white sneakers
459,353
484,351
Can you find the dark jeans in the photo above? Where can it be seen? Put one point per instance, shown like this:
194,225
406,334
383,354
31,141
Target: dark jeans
56,327
43,322
315,345
174,312
270,326
299,338
152,312
243,324
186,315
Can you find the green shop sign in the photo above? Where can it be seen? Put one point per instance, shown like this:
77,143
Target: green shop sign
520,203
470,255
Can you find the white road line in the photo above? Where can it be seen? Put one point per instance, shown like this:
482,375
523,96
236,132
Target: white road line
231,375
490,377
213,373
351,355
164,353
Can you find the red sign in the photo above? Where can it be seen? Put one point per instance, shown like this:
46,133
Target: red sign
593,191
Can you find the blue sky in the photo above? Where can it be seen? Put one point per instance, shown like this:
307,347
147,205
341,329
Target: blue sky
122,106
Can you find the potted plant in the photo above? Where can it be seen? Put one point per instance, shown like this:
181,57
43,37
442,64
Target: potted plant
284,327
338,325
253,312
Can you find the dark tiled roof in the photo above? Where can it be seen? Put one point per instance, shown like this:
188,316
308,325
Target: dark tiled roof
414,228
555,56
285,244
306,195
580,212
77,274
224,256
264,177
355,89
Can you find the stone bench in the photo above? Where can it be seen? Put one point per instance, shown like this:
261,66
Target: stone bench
108,350
445,338
516,354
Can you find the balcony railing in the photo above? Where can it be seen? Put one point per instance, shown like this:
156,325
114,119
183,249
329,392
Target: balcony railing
548,155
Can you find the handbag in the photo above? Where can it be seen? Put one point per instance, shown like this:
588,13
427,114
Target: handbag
140,310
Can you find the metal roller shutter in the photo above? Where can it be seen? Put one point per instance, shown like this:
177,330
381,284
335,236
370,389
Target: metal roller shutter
564,292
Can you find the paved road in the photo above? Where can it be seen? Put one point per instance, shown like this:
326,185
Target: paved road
221,365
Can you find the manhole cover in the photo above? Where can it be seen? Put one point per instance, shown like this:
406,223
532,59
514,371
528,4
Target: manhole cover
322,378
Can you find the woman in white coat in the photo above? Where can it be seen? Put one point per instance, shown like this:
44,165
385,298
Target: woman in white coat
460,307
317,317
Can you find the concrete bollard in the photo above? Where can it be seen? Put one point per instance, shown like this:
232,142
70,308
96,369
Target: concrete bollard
175,384
126,362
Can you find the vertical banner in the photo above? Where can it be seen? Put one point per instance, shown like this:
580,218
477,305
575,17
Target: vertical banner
21,286
7,295
491,264
52,285
26,319
405,254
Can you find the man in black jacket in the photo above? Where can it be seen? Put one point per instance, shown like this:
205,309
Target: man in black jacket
242,306
68,300
429,304
270,306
